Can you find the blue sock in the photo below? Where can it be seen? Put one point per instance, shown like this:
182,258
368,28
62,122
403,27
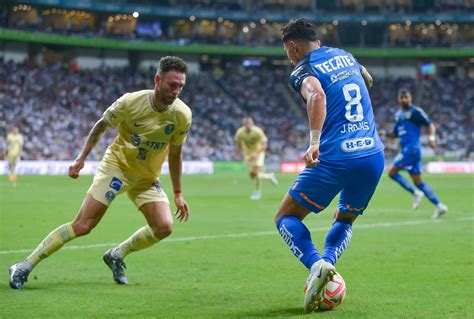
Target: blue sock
403,182
298,238
425,188
337,241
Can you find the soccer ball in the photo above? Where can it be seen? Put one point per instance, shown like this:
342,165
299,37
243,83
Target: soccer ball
333,293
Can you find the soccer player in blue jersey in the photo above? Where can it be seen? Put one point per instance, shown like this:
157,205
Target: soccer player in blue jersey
345,154
409,121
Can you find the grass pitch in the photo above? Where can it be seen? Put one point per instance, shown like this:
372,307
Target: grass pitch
228,261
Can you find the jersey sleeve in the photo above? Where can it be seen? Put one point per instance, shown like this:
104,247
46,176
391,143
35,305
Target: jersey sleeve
180,136
299,74
116,112
420,117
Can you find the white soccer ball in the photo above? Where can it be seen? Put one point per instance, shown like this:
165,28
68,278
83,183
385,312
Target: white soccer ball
333,293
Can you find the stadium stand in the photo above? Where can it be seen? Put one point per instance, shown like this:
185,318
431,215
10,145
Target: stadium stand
55,107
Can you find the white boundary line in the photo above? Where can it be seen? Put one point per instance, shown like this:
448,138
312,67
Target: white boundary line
261,233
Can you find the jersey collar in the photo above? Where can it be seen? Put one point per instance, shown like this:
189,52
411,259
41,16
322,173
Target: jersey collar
153,106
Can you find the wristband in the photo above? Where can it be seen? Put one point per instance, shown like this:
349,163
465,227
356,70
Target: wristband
314,136
177,191
432,138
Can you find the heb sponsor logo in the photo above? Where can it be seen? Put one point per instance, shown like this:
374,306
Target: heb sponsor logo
292,167
357,144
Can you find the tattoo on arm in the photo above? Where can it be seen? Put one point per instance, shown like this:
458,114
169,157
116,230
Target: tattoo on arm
94,137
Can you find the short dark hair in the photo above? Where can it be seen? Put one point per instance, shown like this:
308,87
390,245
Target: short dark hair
299,29
403,91
172,63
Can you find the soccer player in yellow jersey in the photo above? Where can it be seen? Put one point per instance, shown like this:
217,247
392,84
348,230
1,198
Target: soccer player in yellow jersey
151,124
13,152
253,142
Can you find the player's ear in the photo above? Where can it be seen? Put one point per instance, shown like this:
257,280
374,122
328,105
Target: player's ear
293,46
157,78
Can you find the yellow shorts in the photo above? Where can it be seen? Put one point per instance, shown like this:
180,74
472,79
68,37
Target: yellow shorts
109,183
255,161
13,159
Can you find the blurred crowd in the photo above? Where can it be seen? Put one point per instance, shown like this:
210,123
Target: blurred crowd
55,108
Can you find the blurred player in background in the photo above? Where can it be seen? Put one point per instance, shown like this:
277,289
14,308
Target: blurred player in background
345,155
252,142
409,121
13,152
151,124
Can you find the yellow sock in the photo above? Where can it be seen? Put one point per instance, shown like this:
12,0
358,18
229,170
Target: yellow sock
141,239
265,175
55,240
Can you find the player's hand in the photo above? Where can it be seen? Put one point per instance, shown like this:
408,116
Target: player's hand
182,210
76,167
311,155
432,144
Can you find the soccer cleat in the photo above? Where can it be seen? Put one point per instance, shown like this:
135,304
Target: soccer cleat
273,179
256,196
18,276
315,285
117,266
439,210
417,197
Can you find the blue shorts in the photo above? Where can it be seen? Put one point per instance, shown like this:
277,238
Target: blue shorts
410,161
356,179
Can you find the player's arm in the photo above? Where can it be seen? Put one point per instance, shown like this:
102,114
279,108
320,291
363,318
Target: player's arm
175,162
420,117
239,149
315,98
432,135
238,145
92,139
391,134
369,81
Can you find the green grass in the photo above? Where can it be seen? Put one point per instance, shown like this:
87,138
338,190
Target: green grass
403,266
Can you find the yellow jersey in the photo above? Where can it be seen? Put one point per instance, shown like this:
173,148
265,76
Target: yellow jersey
144,134
251,139
14,144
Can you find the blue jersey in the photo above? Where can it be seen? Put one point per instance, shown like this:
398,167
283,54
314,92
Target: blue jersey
408,127
349,129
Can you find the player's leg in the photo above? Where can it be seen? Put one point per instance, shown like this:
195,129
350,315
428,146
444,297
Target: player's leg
361,178
313,190
404,162
394,174
289,222
428,191
160,226
254,172
12,161
87,218
262,175
152,201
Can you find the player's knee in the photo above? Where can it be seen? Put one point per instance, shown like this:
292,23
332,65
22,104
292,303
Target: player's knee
163,231
345,217
82,228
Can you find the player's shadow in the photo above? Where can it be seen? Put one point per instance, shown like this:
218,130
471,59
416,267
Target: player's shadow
274,312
